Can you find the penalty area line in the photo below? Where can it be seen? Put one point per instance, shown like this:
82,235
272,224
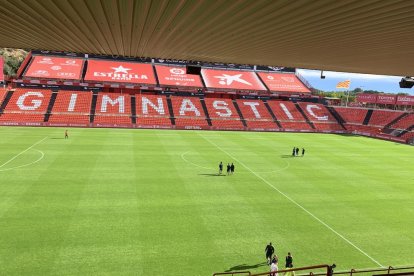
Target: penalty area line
294,202
11,159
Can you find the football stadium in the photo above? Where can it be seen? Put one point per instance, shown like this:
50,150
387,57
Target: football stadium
179,137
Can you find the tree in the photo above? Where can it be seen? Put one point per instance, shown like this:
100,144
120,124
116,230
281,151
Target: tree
13,58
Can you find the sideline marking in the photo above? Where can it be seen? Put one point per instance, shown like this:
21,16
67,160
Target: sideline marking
7,162
25,165
294,202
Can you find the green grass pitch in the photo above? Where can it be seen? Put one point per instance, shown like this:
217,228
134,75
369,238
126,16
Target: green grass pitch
148,202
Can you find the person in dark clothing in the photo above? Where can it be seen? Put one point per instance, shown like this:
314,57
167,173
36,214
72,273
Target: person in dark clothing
269,250
220,167
289,261
66,134
228,168
275,259
232,168
303,152
297,151
293,151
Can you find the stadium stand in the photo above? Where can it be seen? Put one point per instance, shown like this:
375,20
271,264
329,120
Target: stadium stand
289,116
403,123
71,108
26,107
3,93
256,114
320,116
152,111
223,114
352,115
188,112
381,118
113,110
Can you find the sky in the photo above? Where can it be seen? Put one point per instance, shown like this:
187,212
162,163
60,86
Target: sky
388,84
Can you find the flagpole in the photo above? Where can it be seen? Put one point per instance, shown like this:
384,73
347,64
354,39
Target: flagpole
347,96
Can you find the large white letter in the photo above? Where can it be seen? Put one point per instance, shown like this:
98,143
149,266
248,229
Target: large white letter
35,103
310,111
287,112
187,105
120,100
159,108
222,105
72,102
254,109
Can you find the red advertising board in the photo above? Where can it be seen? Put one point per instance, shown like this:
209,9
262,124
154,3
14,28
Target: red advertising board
405,100
386,99
120,71
176,76
279,82
1,69
231,79
47,67
367,98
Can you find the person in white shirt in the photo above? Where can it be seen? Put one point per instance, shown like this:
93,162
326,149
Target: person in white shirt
274,269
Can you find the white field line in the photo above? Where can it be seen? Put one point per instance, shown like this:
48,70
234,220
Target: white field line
294,202
7,162
26,165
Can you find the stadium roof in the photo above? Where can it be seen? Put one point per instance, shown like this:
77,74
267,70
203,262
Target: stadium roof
369,36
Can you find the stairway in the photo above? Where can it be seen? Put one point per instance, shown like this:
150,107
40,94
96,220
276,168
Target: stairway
240,114
133,110
304,116
50,107
203,104
272,114
336,115
93,107
6,101
367,117
170,108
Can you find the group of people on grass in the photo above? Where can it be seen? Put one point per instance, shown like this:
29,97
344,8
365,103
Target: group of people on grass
295,151
273,260
230,168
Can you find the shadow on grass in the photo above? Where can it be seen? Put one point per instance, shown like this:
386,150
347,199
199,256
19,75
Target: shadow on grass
211,174
245,266
287,156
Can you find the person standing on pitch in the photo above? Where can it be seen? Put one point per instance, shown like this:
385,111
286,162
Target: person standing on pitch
293,151
269,250
228,168
303,152
66,134
297,151
289,261
232,168
220,167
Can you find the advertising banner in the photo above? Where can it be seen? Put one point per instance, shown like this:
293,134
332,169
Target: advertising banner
281,82
405,100
229,79
120,72
366,98
47,67
176,76
386,99
275,69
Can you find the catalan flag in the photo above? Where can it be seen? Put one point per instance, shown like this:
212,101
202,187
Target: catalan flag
343,84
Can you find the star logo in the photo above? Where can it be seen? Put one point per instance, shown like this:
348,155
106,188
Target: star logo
121,69
228,79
